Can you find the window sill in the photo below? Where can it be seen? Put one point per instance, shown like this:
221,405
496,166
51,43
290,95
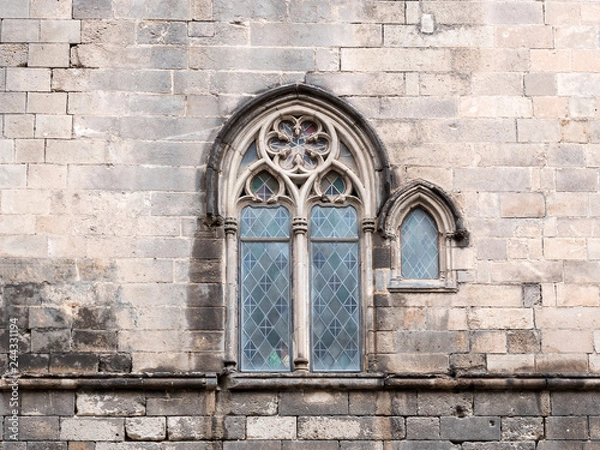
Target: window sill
302,380
396,285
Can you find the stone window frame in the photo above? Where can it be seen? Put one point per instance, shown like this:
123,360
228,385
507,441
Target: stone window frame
223,205
451,233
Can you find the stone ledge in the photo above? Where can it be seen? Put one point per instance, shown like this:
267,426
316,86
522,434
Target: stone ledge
290,381
206,381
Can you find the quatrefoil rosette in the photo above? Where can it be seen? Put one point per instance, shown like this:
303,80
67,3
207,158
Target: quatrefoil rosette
298,145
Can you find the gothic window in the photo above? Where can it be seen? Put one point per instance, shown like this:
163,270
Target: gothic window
423,226
299,185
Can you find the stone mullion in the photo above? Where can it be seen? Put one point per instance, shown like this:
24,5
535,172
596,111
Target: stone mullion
368,315
301,299
232,337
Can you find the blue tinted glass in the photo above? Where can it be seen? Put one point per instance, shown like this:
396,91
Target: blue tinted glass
335,312
265,313
265,222
330,222
419,246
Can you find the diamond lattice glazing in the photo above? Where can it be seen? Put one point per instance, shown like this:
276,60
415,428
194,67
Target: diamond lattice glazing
420,253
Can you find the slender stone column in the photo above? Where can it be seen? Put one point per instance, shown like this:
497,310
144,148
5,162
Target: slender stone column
231,230
301,296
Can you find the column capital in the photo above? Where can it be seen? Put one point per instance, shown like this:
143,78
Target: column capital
299,225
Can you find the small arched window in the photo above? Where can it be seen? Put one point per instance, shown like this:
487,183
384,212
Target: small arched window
299,183
423,226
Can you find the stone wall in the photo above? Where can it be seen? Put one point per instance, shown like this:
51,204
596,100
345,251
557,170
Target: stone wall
109,109
92,419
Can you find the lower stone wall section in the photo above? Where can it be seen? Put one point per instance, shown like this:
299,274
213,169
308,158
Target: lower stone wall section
304,419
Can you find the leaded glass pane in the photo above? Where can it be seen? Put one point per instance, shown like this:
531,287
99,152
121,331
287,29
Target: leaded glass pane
335,313
265,312
334,222
333,185
250,156
265,222
264,185
420,252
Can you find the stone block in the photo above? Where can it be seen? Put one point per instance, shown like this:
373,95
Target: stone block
92,429
414,363
46,445
509,404
578,84
562,362
492,179
60,31
153,9
188,428
351,428
470,428
488,341
522,428
99,9
39,428
410,36
154,105
313,403
252,445
29,151
576,180
523,341
12,9
575,403
175,204
47,317
42,103
582,36
538,130
261,59
146,428
522,205
53,126
384,403
266,427
49,55
422,428
188,403
49,341
12,102
445,404
115,363
132,178
510,363
20,30
27,79
562,248
77,363
154,57
247,403
234,427
566,428
526,36
514,12
315,35
500,318
395,60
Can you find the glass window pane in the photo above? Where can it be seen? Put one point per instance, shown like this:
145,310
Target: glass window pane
419,237
335,293
328,222
265,286
265,222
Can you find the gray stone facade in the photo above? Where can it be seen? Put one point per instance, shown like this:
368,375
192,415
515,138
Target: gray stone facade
113,269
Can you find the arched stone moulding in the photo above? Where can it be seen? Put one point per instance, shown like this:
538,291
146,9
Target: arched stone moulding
228,143
451,233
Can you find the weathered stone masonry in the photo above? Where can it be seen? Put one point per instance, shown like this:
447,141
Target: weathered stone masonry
112,262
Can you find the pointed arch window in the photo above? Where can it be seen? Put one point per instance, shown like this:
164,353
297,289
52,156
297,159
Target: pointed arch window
423,226
299,181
